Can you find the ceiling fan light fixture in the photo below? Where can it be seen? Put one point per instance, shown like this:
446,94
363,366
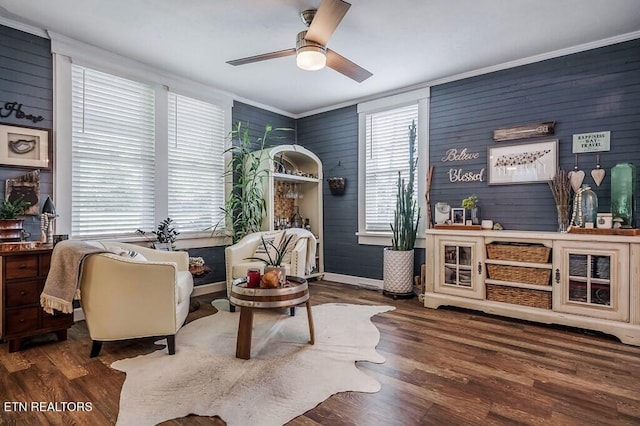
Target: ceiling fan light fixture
311,58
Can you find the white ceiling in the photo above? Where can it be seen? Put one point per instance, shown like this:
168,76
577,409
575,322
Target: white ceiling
402,42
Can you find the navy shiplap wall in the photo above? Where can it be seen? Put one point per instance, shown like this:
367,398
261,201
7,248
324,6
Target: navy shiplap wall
333,137
257,118
596,90
26,78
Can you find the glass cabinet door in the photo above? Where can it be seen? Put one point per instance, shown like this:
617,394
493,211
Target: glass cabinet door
592,282
459,263
590,279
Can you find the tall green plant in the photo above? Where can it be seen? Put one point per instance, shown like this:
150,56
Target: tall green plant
407,214
246,206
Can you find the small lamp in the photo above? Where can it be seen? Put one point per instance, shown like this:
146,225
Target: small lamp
46,221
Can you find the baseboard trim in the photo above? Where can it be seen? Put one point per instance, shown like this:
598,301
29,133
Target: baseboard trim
353,280
78,313
199,290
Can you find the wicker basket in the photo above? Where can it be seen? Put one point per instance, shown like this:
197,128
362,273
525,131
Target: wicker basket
533,253
519,296
519,274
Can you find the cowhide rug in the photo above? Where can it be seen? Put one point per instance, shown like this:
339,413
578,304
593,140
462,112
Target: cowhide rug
284,378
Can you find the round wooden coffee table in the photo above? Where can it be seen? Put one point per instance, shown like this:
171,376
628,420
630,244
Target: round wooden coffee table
295,293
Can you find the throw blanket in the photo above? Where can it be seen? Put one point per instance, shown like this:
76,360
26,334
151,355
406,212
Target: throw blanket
62,282
310,261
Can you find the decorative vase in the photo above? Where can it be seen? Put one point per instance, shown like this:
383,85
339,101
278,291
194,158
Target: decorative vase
398,272
623,189
563,218
475,215
585,207
588,206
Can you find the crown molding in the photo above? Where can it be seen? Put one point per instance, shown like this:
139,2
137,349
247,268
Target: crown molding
486,70
7,22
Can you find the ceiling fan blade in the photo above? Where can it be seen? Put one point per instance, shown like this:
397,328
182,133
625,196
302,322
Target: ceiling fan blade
326,20
346,67
263,57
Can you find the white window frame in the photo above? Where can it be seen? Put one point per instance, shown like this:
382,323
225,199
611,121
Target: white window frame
421,97
67,51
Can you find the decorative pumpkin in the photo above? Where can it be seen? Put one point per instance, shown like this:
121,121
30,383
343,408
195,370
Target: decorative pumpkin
270,279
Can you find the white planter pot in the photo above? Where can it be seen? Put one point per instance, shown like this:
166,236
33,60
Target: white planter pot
398,271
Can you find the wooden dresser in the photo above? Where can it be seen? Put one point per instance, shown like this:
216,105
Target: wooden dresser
23,276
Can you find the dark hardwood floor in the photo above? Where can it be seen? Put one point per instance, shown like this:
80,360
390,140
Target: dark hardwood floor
443,367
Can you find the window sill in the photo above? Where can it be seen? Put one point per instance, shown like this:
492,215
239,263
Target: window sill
382,239
185,240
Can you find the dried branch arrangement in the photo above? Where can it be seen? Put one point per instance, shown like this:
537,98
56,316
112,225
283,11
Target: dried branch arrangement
561,188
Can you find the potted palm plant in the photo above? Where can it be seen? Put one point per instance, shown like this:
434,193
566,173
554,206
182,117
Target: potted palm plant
246,206
398,259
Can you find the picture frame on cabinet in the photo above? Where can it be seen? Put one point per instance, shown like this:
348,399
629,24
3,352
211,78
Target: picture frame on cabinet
24,146
522,163
458,216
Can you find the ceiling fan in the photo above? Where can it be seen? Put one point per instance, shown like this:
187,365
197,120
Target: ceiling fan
311,45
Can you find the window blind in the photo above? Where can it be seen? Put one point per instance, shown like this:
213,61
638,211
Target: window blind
387,152
113,160
196,164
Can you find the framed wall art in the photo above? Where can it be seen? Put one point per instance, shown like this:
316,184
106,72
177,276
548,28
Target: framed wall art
523,163
24,147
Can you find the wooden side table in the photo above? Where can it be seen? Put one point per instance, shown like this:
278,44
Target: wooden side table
197,272
23,275
248,299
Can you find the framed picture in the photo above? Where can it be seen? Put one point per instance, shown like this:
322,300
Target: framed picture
26,188
458,216
24,147
523,163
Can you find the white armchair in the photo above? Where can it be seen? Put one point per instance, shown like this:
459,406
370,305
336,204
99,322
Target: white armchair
124,298
300,264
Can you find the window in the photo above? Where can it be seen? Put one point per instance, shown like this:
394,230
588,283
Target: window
196,163
112,162
387,153
118,182
383,152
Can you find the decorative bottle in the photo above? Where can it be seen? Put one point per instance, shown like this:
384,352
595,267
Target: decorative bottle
623,189
585,207
296,219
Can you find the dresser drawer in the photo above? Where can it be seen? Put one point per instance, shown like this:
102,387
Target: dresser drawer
23,266
21,320
20,294
57,321
45,262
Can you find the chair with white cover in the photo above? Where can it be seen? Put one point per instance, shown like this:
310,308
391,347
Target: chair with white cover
132,291
299,261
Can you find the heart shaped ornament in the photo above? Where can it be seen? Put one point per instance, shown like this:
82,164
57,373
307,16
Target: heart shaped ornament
576,177
597,175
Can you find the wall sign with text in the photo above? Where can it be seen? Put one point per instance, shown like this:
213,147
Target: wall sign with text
458,174
591,142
